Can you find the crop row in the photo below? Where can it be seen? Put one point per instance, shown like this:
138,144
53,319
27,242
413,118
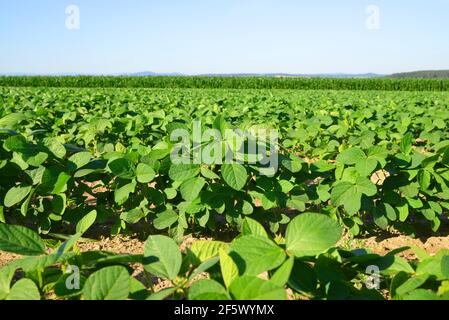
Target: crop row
367,165
302,264
187,82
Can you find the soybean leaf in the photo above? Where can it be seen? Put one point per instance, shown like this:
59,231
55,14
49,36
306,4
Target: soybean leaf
110,283
190,189
204,250
15,195
182,172
24,289
122,168
281,276
55,147
311,233
6,275
207,289
161,295
86,222
255,254
229,269
162,257
165,219
234,175
253,288
252,227
20,240
406,143
145,173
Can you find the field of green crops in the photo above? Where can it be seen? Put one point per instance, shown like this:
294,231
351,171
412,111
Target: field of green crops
76,163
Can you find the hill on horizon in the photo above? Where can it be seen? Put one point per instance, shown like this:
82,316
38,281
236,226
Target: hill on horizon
425,74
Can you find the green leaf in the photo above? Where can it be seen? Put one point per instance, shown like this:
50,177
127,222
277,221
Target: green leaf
67,245
190,189
351,156
20,240
79,160
209,174
60,185
253,288
17,143
350,194
403,211
182,172
162,257
55,147
145,173
121,194
161,295
11,120
421,294
234,175
311,233
207,289
445,158
281,276
380,218
286,186
445,266
411,284
86,222
171,193
15,195
35,263
255,254
303,278
122,168
346,194
24,289
366,187
252,227
6,275
220,125
206,249
110,283
293,164
229,269
366,166
133,216
36,175
424,179
165,219
203,266
59,204
390,264
406,143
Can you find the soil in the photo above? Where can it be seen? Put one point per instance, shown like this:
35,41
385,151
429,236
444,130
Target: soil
6,257
431,245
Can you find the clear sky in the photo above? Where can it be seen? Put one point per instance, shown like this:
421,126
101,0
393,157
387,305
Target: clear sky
224,36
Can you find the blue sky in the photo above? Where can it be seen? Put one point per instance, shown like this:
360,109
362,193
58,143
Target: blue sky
226,36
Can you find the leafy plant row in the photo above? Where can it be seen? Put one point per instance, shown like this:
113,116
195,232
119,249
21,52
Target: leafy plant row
53,184
365,166
302,264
